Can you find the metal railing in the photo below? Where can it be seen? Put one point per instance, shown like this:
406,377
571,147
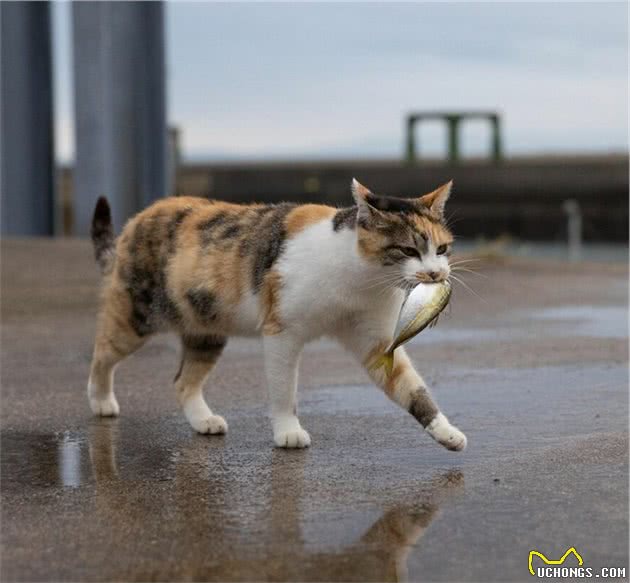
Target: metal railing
453,121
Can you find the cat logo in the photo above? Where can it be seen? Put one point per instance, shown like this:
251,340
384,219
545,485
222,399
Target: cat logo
550,562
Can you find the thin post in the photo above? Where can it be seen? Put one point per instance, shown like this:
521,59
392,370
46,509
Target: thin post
27,193
453,137
574,228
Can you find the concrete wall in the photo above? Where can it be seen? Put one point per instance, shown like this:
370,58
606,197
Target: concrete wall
522,197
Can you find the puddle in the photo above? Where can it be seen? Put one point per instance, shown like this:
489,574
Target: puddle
355,506
42,460
283,515
595,321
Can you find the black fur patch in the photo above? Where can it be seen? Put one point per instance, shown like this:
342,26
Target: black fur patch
200,348
345,218
102,233
270,239
211,345
249,241
422,406
231,232
390,204
145,276
173,227
204,303
208,227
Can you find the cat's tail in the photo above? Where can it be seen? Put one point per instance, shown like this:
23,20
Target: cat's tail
103,235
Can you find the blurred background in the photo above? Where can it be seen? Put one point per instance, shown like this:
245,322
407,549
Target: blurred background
524,105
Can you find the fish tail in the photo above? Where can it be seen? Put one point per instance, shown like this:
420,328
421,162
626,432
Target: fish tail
386,361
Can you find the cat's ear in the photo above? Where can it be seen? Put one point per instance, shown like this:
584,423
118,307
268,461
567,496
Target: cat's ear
367,214
436,200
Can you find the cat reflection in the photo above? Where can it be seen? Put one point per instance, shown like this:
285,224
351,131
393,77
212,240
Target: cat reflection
221,525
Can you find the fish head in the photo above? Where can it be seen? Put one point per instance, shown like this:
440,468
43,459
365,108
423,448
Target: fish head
408,238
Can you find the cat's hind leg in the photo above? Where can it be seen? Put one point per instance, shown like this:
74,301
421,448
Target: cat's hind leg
282,355
199,355
405,387
115,340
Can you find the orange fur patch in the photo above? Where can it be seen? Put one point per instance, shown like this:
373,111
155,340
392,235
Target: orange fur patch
270,299
371,244
436,231
306,215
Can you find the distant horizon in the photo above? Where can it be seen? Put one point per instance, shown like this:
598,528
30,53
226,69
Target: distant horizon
324,81
216,158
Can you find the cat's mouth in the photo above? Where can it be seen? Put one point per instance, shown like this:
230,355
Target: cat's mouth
430,276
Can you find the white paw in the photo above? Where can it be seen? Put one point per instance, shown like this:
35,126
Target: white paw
287,432
105,407
297,438
214,425
446,434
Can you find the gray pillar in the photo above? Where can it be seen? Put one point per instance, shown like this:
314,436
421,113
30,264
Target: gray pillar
27,149
121,135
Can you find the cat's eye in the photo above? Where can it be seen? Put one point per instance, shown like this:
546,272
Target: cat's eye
409,251
442,249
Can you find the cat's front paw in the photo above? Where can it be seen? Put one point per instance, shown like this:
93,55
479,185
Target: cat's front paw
288,433
107,407
292,439
446,434
212,425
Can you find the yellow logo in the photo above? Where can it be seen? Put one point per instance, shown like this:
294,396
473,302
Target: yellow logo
558,562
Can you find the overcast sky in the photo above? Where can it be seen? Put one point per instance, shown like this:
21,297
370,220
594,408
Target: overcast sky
327,80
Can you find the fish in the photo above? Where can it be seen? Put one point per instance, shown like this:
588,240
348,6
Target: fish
420,309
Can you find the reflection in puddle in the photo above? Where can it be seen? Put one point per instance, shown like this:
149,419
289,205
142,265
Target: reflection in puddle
246,515
69,455
42,460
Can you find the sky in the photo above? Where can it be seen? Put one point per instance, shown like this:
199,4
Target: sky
330,80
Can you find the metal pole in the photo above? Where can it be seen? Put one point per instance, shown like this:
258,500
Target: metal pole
453,137
27,149
121,133
574,223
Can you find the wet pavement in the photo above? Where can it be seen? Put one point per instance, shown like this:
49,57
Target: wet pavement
535,373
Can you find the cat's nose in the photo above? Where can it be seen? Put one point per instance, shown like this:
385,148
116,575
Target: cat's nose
433,275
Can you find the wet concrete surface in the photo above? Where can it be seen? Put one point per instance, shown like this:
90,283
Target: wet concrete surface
535,373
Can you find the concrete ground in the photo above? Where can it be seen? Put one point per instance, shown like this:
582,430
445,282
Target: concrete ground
535,373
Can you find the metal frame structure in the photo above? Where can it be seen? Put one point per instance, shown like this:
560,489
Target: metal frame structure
453,121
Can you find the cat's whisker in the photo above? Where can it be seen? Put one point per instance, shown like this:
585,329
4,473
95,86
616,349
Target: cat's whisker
463,261
459,269
390,287
384,278
384,281
466,286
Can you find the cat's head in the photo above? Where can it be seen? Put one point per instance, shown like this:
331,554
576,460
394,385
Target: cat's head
409,236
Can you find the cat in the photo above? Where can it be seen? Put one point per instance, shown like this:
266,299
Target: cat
208,269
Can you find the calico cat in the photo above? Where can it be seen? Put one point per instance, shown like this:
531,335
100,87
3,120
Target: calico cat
208,270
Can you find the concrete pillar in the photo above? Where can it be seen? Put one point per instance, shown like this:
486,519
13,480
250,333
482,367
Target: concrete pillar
121,134
26,122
